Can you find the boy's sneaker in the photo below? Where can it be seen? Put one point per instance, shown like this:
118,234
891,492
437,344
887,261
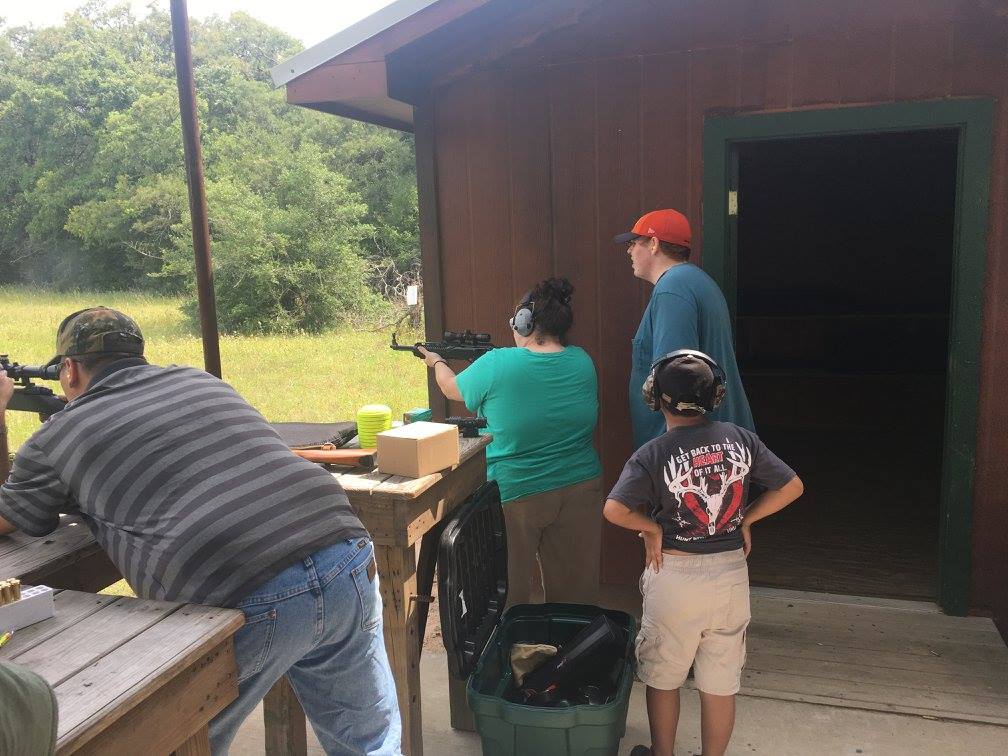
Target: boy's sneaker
640,750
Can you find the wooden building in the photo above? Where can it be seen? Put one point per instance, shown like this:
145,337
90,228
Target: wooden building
844,168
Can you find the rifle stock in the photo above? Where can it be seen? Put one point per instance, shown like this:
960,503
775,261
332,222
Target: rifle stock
42,402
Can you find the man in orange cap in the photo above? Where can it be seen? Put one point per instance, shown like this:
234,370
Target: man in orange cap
687,310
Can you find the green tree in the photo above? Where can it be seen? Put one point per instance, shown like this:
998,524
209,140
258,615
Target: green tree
286,261
92,184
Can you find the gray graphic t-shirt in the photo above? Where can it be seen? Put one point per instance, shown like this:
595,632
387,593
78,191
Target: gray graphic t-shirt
694,481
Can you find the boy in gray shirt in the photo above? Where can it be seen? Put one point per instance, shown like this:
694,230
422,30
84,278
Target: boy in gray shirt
684,492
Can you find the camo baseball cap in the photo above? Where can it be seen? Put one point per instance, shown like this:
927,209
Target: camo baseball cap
97,330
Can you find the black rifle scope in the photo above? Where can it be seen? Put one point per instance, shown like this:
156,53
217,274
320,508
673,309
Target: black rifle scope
18,372
467,337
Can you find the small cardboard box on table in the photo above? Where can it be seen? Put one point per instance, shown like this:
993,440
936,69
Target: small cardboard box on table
418,449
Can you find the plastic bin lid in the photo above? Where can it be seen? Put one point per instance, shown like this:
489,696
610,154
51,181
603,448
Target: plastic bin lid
472,578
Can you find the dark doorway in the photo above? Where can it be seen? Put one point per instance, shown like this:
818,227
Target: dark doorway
844,281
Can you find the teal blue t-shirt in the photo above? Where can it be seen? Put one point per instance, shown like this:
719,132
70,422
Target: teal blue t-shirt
541,408
687,310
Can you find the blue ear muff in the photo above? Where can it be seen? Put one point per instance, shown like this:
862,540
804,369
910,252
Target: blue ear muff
523,321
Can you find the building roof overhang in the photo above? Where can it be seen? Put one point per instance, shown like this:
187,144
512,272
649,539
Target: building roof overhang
347,74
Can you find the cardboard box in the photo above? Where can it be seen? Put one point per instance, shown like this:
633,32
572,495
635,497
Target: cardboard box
418,449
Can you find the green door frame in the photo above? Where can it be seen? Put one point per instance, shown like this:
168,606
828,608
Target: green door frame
973,119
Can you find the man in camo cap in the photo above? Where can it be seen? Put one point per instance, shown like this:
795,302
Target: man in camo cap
98,331
196,498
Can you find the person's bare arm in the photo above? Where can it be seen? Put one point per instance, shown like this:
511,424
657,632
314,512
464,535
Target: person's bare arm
443,374
768,503
620,514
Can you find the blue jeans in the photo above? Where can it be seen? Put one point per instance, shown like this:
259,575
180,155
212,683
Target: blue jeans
319,621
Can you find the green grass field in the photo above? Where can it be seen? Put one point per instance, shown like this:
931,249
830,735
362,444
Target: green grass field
318,378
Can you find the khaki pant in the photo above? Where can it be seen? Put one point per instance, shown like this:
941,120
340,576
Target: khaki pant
564,528
696,611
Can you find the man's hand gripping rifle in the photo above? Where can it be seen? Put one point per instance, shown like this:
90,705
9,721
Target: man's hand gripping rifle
29,397
456,346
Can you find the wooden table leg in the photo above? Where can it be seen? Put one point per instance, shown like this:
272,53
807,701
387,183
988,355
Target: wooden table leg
197,745
397,571
284,720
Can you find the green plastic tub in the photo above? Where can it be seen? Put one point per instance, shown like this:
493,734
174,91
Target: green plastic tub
512,729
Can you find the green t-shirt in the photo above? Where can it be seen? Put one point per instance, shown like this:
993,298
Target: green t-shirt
541,408
27,712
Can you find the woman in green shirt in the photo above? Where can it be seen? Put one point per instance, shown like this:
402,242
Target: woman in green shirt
540,399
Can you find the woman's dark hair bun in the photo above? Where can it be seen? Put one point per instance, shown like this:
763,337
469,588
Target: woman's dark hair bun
553,312
559,289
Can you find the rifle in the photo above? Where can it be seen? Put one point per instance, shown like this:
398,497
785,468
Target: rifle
469,427
27,396
455,346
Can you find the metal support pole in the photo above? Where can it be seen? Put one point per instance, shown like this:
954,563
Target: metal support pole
194,180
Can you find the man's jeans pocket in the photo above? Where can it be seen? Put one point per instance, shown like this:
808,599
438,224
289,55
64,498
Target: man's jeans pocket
252,643
365,579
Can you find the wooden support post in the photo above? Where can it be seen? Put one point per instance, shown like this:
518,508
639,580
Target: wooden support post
430,242
398,583
193,154
197,745
284,719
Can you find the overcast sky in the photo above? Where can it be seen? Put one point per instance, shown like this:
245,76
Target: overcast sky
311,21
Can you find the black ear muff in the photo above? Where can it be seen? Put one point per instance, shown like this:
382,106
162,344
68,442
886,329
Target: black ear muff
523,321
651,391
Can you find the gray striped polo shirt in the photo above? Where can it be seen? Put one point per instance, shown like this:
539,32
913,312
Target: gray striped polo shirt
186,486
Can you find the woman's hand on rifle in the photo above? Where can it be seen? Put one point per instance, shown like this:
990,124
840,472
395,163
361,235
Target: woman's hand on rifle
430,358
445,377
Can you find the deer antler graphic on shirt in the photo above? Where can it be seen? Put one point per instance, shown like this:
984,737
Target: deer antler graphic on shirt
681,479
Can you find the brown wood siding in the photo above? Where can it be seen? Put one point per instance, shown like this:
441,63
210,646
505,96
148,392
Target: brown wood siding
546,153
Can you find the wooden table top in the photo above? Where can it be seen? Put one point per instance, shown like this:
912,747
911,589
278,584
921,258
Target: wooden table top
375,483
22,555
104,655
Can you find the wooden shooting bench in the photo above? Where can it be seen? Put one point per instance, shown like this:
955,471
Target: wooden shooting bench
130,675
402,515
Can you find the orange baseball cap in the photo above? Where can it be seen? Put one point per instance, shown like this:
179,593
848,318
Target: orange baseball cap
668,225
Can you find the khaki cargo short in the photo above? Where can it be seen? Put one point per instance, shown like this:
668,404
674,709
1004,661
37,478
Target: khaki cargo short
696,610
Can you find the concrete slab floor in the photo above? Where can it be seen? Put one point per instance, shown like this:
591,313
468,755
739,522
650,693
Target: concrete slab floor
781,728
